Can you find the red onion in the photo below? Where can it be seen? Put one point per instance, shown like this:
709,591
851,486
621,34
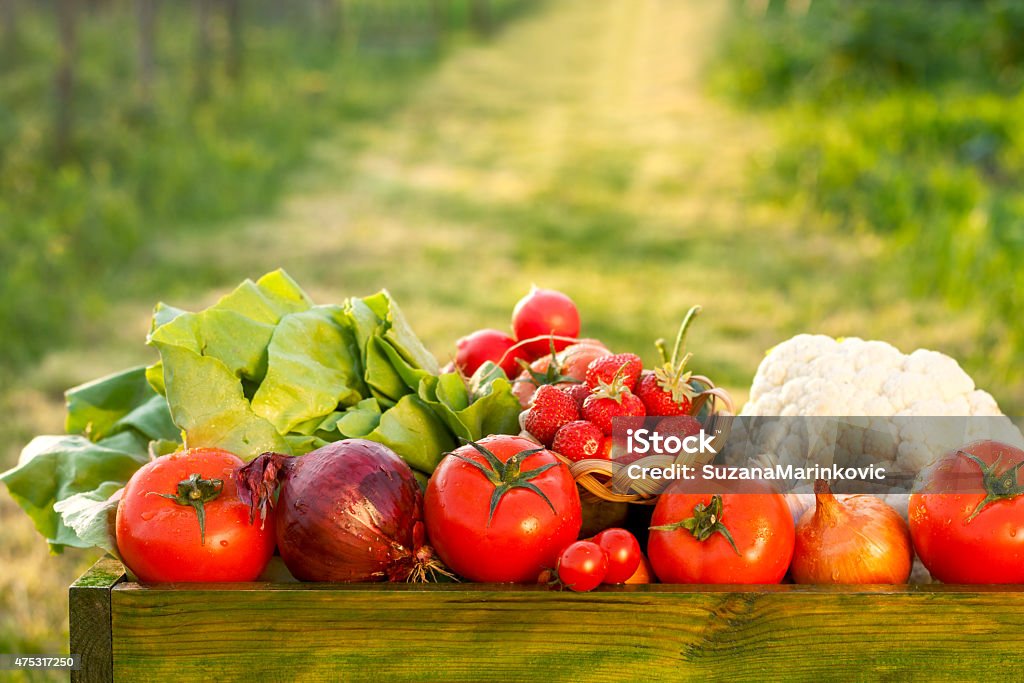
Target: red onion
350,511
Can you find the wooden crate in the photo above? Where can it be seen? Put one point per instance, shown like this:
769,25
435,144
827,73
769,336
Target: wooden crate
479,632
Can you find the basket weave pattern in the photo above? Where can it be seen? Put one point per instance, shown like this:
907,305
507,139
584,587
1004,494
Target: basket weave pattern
600,479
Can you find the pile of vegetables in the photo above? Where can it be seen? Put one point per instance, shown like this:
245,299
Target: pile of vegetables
330,436
262,370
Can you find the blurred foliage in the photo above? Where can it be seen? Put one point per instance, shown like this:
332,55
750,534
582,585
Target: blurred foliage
70,229
904,119
834,51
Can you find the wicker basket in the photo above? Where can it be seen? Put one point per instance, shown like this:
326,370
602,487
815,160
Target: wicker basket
599,479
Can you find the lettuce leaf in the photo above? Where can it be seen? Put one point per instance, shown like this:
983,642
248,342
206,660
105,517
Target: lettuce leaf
91,516
237,329
117,417
414,431
495,411
111,404
394,359
312,369
208,403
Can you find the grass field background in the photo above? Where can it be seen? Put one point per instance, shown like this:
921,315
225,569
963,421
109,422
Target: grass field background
584,146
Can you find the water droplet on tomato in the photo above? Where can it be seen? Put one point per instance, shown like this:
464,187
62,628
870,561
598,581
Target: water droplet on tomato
147,515
223,544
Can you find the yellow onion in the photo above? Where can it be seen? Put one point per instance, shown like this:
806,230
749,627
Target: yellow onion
856,539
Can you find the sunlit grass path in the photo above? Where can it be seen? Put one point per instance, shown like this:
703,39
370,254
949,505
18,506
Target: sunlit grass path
577,150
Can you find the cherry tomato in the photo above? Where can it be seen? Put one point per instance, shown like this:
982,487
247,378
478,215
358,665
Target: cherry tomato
180,519
582,566
623,551
735,537
967,523
501,509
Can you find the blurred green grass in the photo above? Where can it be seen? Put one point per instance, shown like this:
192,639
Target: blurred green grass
135,168
578,150
904,120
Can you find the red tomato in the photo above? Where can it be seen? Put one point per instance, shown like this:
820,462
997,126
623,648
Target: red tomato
623,551
545,312
503,516
967,523
160,537
759,525
481,346
582,566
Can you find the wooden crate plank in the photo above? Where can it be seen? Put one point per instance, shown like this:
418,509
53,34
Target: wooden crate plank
89,617
480,632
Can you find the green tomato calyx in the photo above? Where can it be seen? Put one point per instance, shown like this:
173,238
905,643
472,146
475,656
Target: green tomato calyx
507,475
706,522
196,492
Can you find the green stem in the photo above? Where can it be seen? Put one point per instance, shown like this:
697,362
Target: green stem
681,335
706,521
508,475
196,492
998,486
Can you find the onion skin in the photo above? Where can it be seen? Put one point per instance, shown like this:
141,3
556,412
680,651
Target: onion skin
853,540
350,511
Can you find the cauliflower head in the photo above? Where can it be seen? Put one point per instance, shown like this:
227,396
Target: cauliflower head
818,375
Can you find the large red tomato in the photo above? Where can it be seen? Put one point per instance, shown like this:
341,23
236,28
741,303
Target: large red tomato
180,519
720,538
501,510
967,522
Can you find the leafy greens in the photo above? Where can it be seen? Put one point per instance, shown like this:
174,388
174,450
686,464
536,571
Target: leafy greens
263,369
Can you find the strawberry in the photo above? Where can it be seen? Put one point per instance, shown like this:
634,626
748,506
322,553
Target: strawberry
680,425
550,409
609,401
578,440
605,368
579,393
607,446
660,401
667,390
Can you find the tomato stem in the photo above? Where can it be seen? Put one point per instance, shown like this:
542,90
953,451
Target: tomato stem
195,492
706,521
1001,486
507,475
